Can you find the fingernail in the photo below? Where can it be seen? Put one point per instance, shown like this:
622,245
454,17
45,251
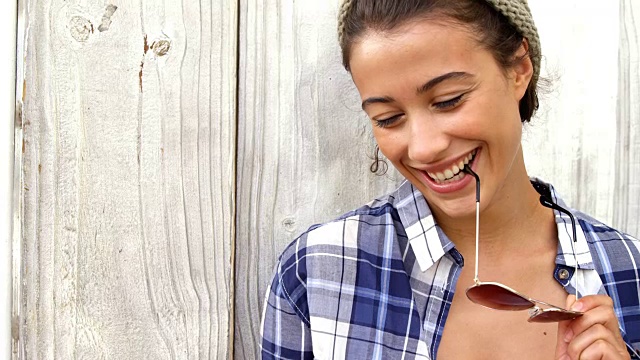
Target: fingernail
577,306
568,335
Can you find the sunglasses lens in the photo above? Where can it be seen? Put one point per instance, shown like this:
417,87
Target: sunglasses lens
497,297
553,315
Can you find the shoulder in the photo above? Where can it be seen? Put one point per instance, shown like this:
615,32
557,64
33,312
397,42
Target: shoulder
612,250
349,232
615,249
316,256
616,258
615,254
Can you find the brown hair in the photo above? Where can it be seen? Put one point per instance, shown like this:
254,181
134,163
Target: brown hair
494,33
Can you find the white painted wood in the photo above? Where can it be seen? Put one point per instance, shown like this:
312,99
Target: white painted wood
8,28
626,212
586,136
572,141
131,201
303,139
129,138
303,143
17,242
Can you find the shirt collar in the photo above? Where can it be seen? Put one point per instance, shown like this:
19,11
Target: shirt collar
425,238
570,251
429,243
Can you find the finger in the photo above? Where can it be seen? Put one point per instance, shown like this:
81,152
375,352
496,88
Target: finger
589,302
600,350
571,299
597,309
562,343
600,342
601,315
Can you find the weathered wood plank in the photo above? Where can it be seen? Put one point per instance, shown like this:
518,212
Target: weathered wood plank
129,174
8,21
303,143
626,212
129,171
559,143
574,142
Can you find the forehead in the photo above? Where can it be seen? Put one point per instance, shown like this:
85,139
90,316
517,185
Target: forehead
416,51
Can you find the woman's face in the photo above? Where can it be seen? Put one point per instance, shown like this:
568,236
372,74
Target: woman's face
437,100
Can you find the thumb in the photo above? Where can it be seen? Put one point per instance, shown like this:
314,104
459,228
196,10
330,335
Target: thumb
569,302
561,344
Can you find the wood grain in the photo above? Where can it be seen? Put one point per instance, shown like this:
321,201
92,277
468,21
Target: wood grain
129,143
303,143
626,212
8,36
135,199
575,140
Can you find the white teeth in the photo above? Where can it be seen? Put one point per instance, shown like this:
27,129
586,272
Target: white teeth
455,172
448,174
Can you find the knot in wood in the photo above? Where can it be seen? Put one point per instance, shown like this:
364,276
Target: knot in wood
161,46
80,28
289,224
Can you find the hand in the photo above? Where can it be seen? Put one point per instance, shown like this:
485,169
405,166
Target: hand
594,335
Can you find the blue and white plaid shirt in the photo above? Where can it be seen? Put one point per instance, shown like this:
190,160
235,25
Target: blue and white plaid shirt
378,282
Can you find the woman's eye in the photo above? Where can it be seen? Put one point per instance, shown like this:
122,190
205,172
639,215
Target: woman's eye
383,123
448,103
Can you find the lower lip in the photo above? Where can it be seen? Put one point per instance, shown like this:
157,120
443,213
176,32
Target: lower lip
451,186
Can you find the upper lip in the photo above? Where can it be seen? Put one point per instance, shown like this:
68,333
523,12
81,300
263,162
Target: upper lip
445,164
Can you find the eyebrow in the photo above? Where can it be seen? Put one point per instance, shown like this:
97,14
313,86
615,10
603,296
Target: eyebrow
437,80
379,100
422,89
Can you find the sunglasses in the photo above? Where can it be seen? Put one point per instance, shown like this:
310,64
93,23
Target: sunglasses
498,296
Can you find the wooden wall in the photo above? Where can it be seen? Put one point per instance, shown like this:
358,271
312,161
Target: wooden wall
129,190
172,149
8,36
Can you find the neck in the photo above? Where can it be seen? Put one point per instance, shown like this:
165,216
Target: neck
508,221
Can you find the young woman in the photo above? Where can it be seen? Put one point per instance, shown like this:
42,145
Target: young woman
447,86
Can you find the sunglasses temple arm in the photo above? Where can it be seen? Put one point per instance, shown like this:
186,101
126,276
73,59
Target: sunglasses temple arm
545,201
468,170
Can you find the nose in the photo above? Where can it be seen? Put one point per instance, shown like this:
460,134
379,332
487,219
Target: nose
427,140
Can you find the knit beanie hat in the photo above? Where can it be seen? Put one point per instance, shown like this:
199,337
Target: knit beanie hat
517,13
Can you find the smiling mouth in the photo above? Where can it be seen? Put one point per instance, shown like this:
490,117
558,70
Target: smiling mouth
454,172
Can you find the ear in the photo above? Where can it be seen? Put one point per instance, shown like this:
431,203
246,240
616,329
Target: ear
522,70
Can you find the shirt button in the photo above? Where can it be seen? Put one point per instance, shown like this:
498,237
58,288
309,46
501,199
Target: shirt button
563,274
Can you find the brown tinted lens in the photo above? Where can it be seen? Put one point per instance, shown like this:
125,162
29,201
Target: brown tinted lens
497,297
553,315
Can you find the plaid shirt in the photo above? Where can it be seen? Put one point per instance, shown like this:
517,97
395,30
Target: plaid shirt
378,282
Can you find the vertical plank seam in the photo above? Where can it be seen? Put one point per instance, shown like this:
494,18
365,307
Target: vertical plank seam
17,308
234,186
622,174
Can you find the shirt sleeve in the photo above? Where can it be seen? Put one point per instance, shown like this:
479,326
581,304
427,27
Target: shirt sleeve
285,327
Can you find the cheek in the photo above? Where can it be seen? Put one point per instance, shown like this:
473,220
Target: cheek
502,117
392,146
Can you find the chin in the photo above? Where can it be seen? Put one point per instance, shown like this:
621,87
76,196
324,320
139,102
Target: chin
461,205
463,211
